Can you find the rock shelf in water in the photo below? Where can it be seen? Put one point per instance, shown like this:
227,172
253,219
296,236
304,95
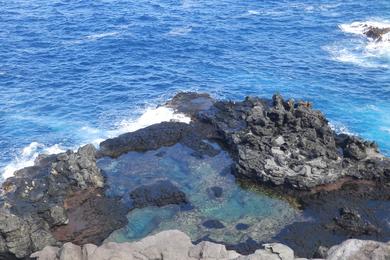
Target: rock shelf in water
285,145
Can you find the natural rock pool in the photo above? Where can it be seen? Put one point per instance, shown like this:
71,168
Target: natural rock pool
219,208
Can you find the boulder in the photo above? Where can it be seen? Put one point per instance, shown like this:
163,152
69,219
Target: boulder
354,249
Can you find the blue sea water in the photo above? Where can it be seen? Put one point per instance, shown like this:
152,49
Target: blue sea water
73,72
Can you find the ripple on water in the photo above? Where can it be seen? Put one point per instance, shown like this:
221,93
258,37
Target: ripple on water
195,176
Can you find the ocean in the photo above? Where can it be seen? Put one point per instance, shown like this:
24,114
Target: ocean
77,72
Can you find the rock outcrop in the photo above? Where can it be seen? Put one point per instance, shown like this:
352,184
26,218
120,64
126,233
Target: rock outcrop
283,144
376,33
286,143
38,200
175,245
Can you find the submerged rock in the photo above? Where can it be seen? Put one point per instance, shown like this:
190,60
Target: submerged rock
160,193
213,224
216,191
242,226
352,222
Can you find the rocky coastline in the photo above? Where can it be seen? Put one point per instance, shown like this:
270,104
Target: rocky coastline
340,181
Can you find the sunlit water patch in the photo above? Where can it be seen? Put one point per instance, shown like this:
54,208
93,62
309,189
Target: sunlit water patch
260,215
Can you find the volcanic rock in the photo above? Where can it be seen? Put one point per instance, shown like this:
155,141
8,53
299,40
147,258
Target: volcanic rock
160,193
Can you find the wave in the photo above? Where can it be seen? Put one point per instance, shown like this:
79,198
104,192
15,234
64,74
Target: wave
340,128
362,50
101,35
26,156
179,31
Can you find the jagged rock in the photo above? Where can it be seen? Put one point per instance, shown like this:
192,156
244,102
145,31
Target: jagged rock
33,200
376,33
159,194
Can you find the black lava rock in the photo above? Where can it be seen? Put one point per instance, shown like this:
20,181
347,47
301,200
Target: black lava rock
159,194
242,226
213,224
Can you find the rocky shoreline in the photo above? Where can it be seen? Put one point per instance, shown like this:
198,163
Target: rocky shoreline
174,244
286,146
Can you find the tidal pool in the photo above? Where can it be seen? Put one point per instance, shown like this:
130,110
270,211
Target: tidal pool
195,175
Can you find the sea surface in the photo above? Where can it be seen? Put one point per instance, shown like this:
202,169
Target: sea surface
76,72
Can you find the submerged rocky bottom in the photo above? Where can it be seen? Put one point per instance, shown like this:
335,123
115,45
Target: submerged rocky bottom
217,207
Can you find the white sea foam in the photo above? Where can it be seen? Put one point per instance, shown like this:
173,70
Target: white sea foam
101,35
28,154
361,50
340,128
149,117
179,31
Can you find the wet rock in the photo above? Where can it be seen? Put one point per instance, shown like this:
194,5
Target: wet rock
149,138
376,33
216,191
352,222
159,194
213,224
33,200
242,226
157,136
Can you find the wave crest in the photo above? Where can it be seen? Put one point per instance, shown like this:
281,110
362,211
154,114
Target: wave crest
365,49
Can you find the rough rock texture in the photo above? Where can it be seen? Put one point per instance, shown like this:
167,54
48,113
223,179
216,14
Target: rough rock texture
32,202
159,194
284,143
376,33
157,136
175,245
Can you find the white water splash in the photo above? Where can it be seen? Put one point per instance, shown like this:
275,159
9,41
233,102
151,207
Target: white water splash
361,50
28,154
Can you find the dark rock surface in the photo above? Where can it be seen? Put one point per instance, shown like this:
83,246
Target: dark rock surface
352,222
160,193
242,226
376,33
157,136
33,201
358,209
213,224
216,191
285,145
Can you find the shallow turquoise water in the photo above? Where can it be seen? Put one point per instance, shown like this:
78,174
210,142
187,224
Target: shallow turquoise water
194,176
74,72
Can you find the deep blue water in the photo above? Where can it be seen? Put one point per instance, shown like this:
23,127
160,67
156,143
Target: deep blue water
75,71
